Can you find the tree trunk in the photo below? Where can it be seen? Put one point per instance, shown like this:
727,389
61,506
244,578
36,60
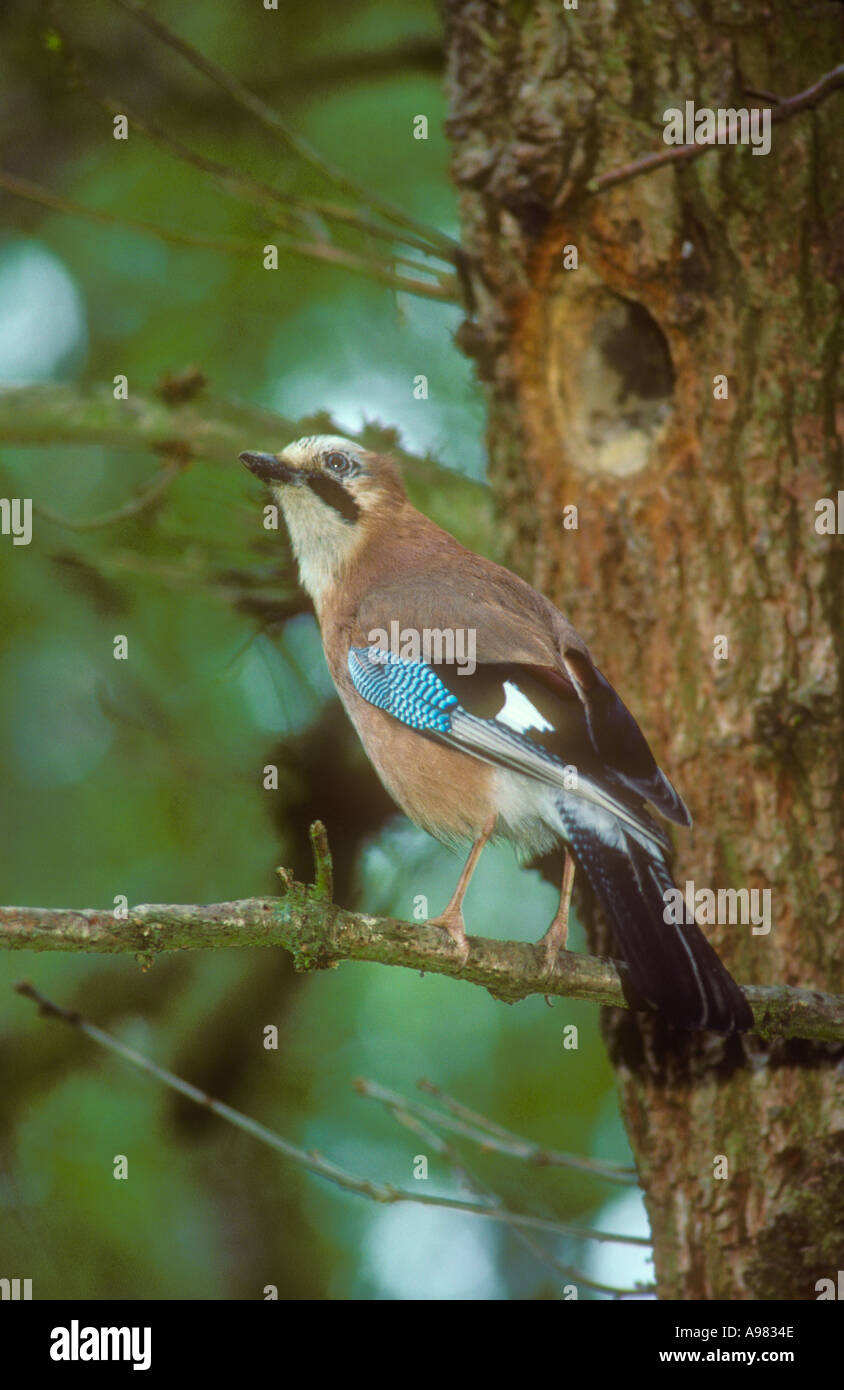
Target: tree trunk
696,521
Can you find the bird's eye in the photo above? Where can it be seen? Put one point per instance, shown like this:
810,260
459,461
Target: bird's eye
338,464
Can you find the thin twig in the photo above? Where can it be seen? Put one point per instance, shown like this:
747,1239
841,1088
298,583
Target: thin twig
312,1161
238,185
407,1114
129,509
480,1130
674,154
245,187
444,289
472,1183
270,118
22,188
323,885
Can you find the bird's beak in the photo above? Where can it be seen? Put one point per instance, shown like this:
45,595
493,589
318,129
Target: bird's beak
270,468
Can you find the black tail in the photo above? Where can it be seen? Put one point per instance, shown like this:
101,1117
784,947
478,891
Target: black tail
672,965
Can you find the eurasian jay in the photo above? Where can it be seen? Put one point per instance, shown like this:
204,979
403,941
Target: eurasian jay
532,745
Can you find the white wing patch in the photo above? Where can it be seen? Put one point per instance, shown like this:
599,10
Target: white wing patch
519,714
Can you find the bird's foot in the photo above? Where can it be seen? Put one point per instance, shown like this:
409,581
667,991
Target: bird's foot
553,942
452,922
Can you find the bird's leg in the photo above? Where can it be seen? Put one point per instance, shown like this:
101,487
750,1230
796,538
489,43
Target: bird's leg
554,939
451,920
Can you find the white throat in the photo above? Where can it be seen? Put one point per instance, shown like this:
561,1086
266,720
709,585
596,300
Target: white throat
322,541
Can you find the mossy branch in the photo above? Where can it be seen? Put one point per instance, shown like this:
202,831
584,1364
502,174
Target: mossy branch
319,935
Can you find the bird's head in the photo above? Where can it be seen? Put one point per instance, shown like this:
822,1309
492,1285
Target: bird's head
334,494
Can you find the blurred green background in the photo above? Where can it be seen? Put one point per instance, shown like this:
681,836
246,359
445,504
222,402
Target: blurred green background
144,777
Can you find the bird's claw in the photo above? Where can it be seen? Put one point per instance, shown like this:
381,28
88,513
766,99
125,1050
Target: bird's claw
551,960
452,923
552,943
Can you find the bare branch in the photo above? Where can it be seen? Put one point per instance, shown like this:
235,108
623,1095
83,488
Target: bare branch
489,1137
134,507
445,287
270,118
412,1116
676,154
312,1161
21,188
284,206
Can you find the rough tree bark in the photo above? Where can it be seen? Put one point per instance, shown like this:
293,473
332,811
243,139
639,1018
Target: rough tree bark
696,519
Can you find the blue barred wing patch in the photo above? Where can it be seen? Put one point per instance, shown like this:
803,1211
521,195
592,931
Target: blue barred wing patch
408,690
413,693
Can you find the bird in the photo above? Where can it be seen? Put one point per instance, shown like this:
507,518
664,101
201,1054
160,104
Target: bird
525,742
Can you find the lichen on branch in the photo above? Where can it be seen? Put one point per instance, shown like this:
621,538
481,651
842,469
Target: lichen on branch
320,935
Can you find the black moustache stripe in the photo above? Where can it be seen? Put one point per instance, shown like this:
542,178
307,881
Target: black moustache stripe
335,495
